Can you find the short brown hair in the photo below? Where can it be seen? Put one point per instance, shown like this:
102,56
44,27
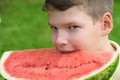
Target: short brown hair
94,8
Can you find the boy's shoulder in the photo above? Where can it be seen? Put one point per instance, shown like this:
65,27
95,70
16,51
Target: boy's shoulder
115,45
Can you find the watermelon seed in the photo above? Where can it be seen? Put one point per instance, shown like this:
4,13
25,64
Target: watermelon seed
94,61
47,66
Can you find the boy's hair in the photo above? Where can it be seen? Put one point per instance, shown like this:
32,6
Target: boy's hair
94,8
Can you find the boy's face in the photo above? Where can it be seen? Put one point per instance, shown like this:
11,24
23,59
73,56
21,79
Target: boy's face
74,30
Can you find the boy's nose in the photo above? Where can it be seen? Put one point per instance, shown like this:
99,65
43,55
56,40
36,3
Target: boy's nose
61,40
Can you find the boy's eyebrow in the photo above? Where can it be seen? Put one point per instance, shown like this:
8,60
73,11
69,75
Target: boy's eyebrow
64,24
69,23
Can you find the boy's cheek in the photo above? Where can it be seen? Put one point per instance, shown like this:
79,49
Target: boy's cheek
53,41
79,45
82,44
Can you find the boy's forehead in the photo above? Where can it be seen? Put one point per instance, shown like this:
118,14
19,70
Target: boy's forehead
71,16
63,19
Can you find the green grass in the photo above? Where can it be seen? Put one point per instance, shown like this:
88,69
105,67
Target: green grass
24,25
115,34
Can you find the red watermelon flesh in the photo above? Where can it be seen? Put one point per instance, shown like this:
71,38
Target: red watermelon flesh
50,64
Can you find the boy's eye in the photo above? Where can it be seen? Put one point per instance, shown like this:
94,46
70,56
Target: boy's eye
53,28
73,27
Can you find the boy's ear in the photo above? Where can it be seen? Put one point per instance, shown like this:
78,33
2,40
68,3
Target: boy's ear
107,23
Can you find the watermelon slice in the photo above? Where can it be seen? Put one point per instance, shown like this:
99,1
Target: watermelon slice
50,64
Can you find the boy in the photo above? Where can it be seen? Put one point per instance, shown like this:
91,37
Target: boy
81,24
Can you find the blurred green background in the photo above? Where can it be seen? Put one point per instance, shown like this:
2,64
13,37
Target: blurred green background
24,25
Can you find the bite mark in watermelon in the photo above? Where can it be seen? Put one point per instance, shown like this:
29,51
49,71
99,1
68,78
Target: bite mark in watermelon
50,64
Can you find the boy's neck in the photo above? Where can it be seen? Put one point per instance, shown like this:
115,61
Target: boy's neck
108,46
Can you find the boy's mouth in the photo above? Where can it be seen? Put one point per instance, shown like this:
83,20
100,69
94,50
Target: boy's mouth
65,51
70,50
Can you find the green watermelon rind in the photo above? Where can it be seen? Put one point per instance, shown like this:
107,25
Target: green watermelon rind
106,72
116,75
2,70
